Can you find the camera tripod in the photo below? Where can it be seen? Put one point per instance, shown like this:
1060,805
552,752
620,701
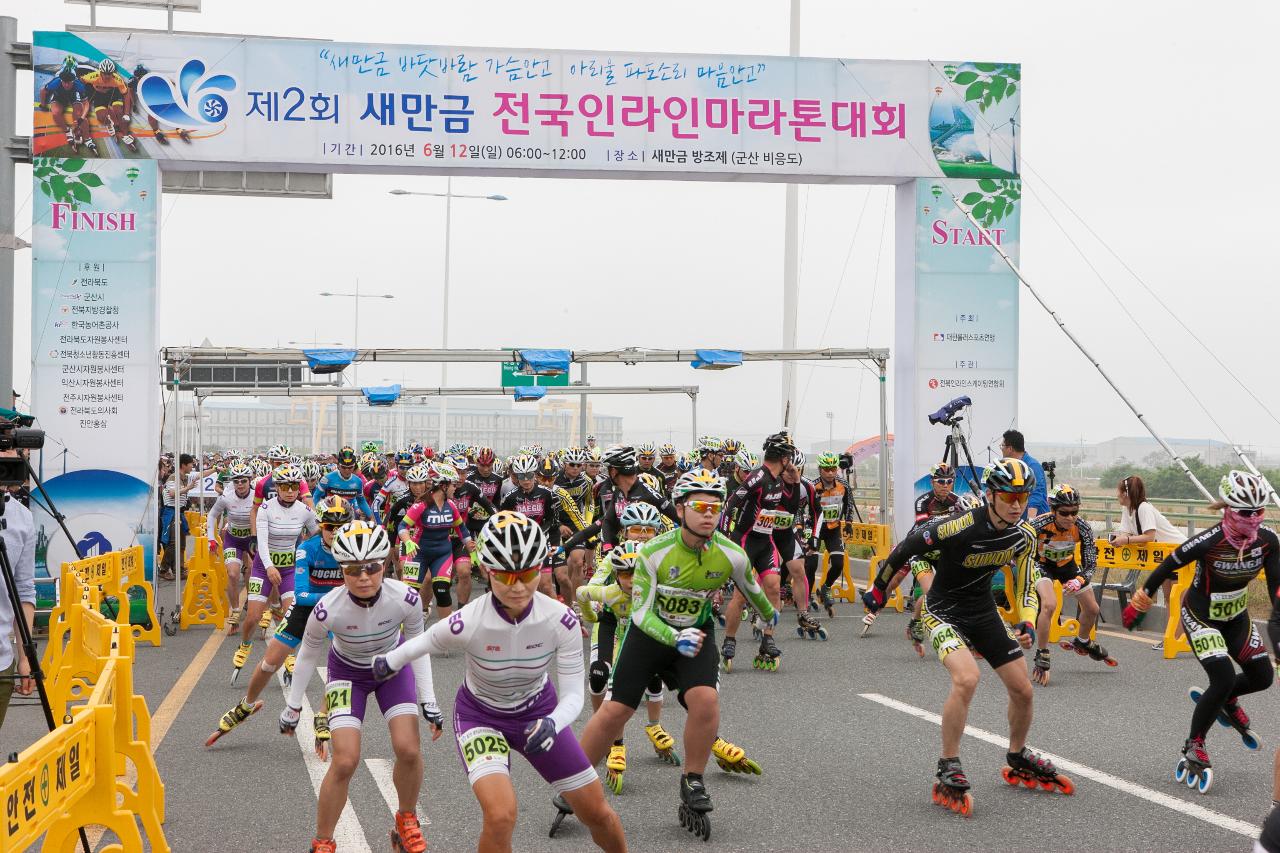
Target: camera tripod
25,639
956,444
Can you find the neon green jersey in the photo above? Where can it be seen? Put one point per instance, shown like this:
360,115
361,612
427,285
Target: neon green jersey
674,583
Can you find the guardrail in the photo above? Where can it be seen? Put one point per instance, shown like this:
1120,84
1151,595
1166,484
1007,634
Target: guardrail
74,776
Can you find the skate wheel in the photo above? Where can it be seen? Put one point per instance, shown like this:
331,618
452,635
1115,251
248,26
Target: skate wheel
965,805
1250,740
1180,772
1111,662
1064,784
749,766
800,633
1008,775
728,664
1204,781
1066,645
822,634
1029,781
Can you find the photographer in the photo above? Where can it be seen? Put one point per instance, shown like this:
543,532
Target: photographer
17,528
1014,446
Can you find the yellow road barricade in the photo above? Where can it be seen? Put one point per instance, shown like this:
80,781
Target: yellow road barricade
204,597
1146,557
878,538
75,776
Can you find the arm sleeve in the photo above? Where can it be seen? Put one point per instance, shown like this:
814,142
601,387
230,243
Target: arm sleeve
582,535
586,595
643,592
1181,556
414,627
746,501
264,529
435,640
1028,600
321,488
362,505
1088,550
569,674
309,651
914,544
215,512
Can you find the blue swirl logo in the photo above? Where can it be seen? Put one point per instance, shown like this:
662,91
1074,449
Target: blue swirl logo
195,102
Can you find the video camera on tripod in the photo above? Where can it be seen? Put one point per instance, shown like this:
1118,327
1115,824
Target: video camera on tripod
17,435
948,414
956,444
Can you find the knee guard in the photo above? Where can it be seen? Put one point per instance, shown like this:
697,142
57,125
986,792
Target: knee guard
655,690
440,587
598,677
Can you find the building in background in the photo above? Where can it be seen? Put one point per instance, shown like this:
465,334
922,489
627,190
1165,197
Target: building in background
309,424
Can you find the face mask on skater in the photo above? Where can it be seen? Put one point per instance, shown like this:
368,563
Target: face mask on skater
1240,529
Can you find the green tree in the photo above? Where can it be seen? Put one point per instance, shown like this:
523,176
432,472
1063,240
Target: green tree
62,180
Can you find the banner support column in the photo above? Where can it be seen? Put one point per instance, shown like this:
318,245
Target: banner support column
884,445
8,233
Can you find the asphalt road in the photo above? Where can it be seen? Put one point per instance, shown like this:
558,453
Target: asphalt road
843,730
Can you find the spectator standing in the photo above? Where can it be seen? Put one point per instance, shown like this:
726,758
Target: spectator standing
1141,522
17,528
1014,445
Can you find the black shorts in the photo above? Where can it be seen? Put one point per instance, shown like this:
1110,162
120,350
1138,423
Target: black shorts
460,551
291,629
105,99
831,539
642,657
1235,639
949,628
761,552
788,546
1061,574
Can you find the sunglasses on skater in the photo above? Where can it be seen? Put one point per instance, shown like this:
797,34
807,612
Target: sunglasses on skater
1012,497
528,576
1250,513
1068,513
355,570
705,506
944,481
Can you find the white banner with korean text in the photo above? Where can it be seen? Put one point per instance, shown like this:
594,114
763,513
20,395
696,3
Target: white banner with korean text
205,101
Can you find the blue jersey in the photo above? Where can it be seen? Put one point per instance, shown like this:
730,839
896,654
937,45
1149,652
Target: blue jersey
55,91
316,572
351,488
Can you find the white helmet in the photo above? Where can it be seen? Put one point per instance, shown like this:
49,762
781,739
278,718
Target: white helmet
524,464
240,471
701,481
647,448
641,514
287,473
1242,490
746,460
360,542
420,473
968,501
106,66
278,451
511,542
310,469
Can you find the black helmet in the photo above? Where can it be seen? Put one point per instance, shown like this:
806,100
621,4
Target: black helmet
334,510
622,457
140,70
778,446
1064,495
548,468
1010,475
66,75
347,456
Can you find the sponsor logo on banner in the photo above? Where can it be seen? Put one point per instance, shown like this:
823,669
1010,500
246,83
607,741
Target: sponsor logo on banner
198,98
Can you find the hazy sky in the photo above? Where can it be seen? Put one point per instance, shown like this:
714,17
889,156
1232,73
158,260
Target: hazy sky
1151,120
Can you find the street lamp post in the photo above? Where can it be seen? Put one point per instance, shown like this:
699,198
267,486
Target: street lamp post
316,426
448,195
355,367
831,431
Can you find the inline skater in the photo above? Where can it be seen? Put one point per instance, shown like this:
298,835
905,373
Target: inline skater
620,488
672,634
667,467
538,503
1058,533
710,453
64,92
572,520
316,572
281,522
395,485
107,91
938,502
798,501
581,487
236,538
475,508
265,488
426,536
594,467
756,512
366,617
345,483
729,449
647,457
960,612
835,508
1215,613
640,523
512,636
131,107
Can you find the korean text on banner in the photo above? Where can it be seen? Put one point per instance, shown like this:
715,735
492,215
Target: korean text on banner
93,345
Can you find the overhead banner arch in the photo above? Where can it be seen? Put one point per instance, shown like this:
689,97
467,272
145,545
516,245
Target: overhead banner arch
257,104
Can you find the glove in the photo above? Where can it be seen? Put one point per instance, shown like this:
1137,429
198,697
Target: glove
873,599
689,642
431,713
289,719
382,670
1027,630
1073,585
559,554
408,548
539,737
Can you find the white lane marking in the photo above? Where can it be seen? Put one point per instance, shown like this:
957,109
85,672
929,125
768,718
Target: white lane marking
348,833
1080,770
380,770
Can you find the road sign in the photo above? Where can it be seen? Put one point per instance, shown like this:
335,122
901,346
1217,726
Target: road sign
511,378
